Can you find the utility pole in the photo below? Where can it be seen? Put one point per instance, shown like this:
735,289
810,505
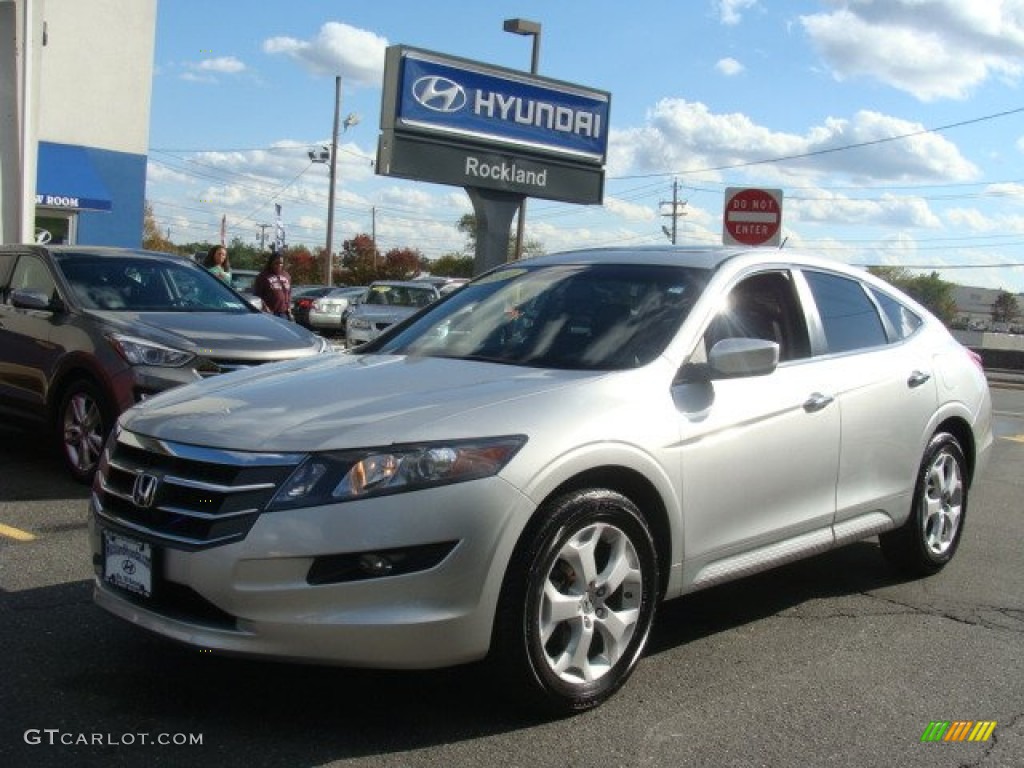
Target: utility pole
677,212
263,235
373,236
328,277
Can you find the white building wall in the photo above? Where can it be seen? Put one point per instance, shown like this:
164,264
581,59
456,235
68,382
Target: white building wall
88,95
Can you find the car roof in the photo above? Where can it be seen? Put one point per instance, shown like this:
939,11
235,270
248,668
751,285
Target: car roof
100,251
709,258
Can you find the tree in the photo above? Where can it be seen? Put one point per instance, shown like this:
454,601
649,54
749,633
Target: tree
152,239
930,290
452,265
402,264
1005,308
302,265
359,260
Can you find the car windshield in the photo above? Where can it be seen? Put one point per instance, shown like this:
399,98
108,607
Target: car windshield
129,284
585,317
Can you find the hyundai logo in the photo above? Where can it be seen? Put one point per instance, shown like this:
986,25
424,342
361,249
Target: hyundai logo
439,94
144,490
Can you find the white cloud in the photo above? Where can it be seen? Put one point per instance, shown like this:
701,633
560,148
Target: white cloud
730,12
356,54
729,67
228,65
823,207
629,211
932,49
686,136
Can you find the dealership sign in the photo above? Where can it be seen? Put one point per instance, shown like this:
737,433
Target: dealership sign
461,122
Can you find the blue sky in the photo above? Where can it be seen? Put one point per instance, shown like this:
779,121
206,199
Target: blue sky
895,128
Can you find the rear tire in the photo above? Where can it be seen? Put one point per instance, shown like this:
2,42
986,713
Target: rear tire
82,425
931,535
577,603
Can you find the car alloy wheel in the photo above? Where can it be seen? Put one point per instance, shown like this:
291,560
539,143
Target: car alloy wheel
82,428
570,633
930,537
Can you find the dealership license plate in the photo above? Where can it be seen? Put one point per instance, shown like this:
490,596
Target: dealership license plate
127,563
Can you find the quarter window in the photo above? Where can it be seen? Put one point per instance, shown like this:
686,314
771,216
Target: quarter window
903,321
848,316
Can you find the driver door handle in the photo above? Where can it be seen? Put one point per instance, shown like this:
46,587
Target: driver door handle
817,402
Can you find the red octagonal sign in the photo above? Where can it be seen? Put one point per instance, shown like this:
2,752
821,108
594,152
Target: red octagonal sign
752,216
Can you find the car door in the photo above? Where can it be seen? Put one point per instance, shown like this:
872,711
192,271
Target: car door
884,381
759,453
27,357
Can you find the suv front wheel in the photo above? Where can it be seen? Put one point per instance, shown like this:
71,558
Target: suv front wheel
578,602
83,421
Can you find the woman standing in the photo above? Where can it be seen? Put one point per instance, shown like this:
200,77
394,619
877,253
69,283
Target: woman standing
217,262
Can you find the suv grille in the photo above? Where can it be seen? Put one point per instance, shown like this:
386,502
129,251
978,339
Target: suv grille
183,496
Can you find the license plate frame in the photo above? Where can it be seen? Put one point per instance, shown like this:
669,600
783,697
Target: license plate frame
128,563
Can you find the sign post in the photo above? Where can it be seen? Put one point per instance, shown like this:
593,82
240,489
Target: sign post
752,217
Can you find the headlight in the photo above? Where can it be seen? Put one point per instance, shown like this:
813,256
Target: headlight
141,352
326,478
358,322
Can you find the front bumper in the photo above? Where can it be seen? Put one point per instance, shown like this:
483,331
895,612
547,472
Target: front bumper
261,601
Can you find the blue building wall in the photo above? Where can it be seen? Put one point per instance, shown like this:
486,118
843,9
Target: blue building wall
125,177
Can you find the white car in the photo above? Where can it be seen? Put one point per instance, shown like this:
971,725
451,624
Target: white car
526,469
327,313
385,303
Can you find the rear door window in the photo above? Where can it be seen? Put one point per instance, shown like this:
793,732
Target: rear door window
849,318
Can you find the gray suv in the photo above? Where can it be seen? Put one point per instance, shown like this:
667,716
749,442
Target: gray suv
87,332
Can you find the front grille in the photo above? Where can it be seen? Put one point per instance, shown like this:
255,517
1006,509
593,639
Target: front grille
213,367
186,497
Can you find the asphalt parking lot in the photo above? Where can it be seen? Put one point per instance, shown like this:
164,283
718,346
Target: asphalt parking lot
831,661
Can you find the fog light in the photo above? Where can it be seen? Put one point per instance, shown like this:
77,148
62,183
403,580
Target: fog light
373,564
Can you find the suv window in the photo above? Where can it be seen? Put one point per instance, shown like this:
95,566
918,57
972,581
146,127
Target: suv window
903,320
31,274
848,316
764,306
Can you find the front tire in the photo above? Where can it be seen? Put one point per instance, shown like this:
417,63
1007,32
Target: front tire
577,603
931,535
83,422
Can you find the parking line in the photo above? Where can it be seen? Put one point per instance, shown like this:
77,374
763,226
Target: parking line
15,533
1015,438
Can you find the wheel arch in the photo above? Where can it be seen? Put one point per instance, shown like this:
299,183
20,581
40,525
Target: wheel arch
639,489
961,430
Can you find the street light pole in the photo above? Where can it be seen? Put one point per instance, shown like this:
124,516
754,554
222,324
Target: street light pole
531,29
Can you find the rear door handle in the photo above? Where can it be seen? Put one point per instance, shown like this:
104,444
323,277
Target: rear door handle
817,402
917,378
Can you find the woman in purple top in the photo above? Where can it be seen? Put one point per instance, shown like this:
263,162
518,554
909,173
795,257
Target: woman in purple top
274,286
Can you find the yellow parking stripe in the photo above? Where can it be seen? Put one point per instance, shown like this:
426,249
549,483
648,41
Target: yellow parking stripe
15,533
1015,438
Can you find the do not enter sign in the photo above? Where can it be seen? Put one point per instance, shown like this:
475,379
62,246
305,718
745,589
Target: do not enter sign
752,216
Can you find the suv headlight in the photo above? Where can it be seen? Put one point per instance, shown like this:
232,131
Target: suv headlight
141,352
326,478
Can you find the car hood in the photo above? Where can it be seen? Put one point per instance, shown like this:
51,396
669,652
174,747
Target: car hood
345,401
221,335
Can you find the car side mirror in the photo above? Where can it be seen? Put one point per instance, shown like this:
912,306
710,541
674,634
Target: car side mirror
24,298
734,358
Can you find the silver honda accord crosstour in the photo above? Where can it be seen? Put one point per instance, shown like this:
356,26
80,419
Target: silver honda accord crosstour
523,470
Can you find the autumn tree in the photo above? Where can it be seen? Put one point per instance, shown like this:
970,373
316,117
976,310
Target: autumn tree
152,239
359,260
402,264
